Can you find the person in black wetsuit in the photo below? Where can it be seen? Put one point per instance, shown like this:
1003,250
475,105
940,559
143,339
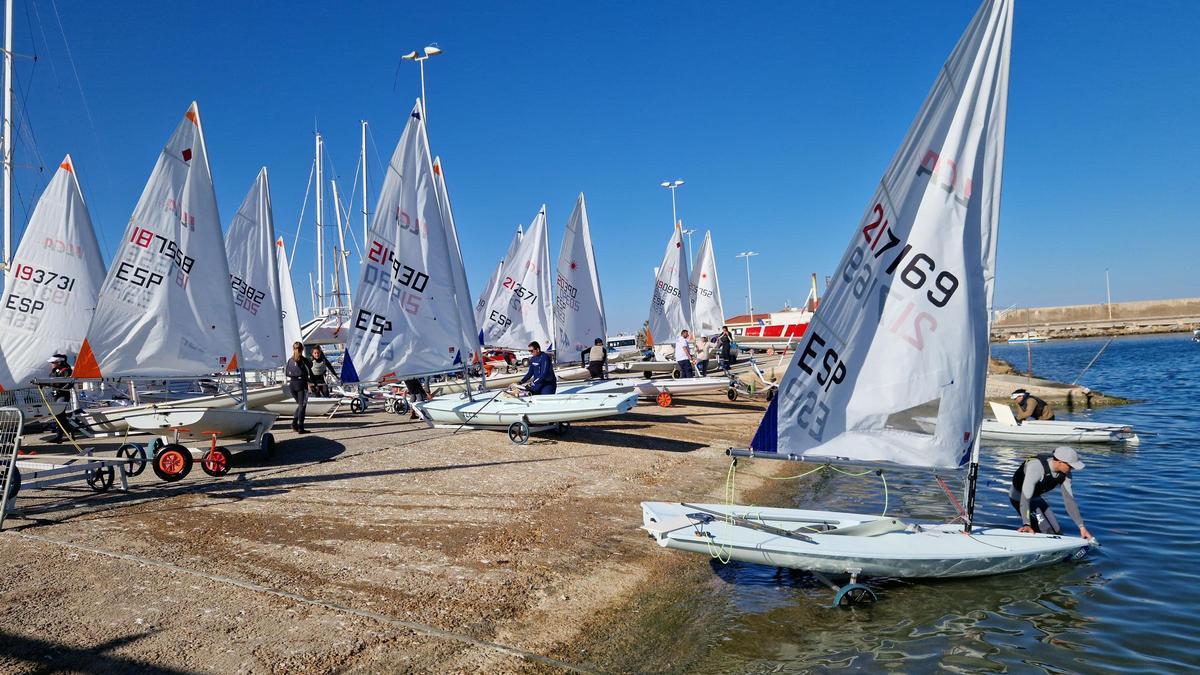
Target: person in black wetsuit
1030,407
299,377
61,393
541,372
1039,475
416,391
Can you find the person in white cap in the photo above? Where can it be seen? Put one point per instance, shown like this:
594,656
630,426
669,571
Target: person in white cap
1030,407
60,392
1039,475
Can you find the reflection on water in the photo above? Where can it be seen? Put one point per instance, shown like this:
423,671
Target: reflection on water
1131,606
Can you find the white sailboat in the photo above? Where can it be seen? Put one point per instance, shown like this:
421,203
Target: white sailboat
254,277
519,308
287,299
51,287
1003,426
904,324
670,311
165,309
707,313
494,280
578,305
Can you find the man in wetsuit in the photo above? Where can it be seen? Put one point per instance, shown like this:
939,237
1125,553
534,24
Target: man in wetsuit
1030,407
541,372
1039,475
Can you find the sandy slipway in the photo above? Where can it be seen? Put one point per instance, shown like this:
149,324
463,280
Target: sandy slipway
373,544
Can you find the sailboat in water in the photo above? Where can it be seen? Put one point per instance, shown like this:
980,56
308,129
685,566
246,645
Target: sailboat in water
50,290
904,326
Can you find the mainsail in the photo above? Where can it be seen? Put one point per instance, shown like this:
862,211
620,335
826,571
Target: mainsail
518,310
287,299
253,275
494,280
707,314
51,288
669,312
466,314
165,308
905,320
578,306
405,320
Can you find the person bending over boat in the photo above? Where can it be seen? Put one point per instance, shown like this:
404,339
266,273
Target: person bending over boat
541,372
595,359
299,375
1031,407
683,355
1039,475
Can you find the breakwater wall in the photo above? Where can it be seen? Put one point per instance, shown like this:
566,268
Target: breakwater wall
1119,318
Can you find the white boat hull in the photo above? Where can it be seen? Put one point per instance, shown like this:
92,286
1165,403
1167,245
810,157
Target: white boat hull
112,419
685,386
500,409
318,406
924,551
502,381
1049,431
203,423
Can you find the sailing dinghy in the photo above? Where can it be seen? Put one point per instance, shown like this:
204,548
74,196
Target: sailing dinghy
521,414
707,313
905,324
165,309
50,292
1005,427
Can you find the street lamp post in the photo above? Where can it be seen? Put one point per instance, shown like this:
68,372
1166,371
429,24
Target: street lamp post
431,50
673,185
749,294
689,234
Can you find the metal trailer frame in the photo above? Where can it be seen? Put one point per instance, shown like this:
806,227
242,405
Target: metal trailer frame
47,471
768,390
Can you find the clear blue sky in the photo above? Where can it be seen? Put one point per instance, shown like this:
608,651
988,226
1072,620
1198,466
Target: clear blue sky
781,117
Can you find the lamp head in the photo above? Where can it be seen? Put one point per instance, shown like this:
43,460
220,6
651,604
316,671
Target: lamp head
432,50
410,56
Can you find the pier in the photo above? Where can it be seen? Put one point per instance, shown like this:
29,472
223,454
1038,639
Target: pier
1142,317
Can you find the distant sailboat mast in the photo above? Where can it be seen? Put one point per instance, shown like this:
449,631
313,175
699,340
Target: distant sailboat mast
8,144
319,308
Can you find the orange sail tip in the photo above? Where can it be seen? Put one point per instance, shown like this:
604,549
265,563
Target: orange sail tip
232,364
66,165
437,168
86,365
191,116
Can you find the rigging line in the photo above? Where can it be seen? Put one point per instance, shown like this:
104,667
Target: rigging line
303,205
87,110
346,225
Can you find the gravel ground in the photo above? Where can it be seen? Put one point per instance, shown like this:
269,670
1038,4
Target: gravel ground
373,544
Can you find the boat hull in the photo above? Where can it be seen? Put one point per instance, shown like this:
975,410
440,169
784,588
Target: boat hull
113,419
500,409
1049,431
203,423
317,406
685,386
924,552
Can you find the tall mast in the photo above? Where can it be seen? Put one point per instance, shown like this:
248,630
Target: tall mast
8,140
320,232
344,287
364,181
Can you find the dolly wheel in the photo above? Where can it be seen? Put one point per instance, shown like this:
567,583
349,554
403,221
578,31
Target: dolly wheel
518,433
402,407
389,406
267,445
770,394
137,458
676,374
14,485
357,405
731,394
216,462
664,399
854,594
101,479
172,462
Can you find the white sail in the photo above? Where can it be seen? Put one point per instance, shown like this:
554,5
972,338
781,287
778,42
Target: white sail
466,313
254,279
518,310
707,313
905,318
405,319
494,280
52,284
287,299
669,312
165,308
578,305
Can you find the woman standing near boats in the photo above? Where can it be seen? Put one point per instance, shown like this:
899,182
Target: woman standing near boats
299,374
320,367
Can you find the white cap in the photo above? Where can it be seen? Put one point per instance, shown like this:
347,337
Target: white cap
1067,454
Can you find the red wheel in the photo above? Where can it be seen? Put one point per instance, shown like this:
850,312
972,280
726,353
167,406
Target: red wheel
664,399
172,462
216,462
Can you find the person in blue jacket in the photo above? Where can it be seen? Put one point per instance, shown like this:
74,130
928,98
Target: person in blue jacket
541,372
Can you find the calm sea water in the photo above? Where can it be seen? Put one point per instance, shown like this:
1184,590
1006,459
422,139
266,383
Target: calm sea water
1133,606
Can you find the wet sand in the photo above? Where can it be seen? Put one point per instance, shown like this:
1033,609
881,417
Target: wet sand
374,544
